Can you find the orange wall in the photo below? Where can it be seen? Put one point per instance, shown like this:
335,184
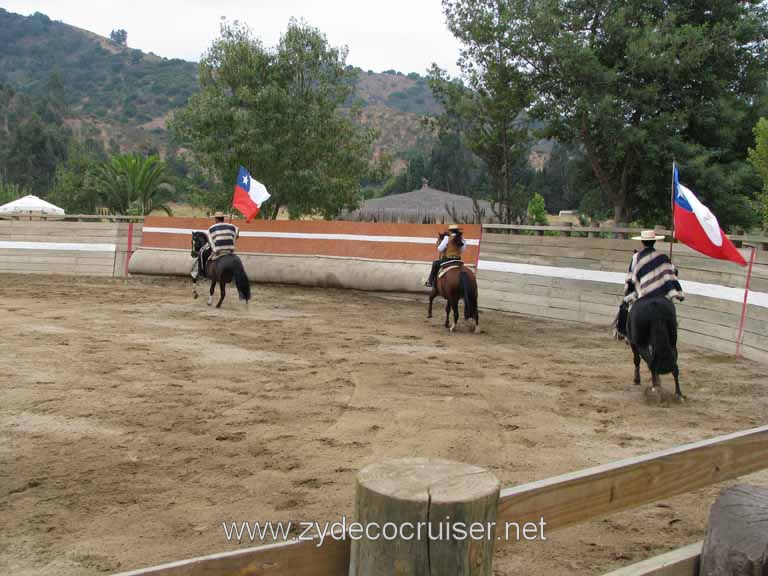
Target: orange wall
312,246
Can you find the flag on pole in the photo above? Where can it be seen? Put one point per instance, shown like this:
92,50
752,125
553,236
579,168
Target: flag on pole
697,227
249,195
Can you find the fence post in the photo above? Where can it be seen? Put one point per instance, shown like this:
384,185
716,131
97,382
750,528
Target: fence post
416,507
566,232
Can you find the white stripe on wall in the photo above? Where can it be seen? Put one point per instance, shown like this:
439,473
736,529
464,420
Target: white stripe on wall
308,236
64,246
698,288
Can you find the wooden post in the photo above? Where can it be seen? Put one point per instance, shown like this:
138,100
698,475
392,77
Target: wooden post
737,541
566,225
412,510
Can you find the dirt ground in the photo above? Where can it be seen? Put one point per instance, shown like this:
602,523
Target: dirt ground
135,420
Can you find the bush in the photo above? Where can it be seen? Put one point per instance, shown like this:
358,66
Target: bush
537,210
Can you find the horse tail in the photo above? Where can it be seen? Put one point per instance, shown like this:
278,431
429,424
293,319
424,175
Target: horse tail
662,340
241,280
470,295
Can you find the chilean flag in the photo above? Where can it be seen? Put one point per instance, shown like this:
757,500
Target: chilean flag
249,195
698,228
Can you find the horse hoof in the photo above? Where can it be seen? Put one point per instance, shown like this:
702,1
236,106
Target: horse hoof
429,316
453,328
680,398
477,329
636,381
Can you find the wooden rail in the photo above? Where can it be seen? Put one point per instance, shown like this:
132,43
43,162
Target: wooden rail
680,562
34,216
620,232
303,558
562,501
596,492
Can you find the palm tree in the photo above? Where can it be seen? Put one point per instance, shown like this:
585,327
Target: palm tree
132,184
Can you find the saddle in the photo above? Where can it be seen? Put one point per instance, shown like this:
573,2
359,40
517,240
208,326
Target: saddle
447,265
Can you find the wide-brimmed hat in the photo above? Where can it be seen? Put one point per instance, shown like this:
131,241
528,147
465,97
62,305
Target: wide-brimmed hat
454,227
219,214
648,235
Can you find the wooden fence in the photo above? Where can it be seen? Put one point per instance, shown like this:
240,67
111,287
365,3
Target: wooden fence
78,245
548,271
562,501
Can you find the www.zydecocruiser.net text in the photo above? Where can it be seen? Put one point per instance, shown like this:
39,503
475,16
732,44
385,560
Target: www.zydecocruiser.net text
341,530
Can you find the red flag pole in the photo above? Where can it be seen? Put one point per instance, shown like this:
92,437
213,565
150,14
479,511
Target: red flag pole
672,239
744,305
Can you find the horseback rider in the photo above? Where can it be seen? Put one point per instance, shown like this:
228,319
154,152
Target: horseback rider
650,274
222,236
450,247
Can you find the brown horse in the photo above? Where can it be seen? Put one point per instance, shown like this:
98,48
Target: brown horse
457,283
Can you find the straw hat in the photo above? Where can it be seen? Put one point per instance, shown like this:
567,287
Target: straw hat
648,235
219,214
454,228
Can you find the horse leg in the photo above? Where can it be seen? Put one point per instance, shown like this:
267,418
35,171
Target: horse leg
447,314
194,288
431,298
679,396
455,307
213,289
636,360
223,292
655,380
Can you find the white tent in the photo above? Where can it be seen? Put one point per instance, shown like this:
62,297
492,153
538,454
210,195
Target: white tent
30,204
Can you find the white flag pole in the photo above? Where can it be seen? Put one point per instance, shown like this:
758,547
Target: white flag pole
672,239
740,335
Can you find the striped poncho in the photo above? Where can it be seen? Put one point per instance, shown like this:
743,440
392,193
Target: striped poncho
651,274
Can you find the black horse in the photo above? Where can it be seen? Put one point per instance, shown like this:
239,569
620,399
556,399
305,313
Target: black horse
222,269
653,336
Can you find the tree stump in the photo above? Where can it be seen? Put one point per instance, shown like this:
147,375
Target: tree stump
426,501
737,535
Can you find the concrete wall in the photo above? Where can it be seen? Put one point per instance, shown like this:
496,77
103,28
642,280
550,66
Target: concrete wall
359,255
321,271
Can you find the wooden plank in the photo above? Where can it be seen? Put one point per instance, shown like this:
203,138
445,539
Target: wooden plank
680,562
578,497
621,250
303,558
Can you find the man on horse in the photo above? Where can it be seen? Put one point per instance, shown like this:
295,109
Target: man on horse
651,274
450,248
221,240
222,236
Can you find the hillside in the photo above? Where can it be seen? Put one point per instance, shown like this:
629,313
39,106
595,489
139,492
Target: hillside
123,96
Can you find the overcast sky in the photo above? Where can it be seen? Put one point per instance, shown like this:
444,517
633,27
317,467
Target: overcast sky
404,35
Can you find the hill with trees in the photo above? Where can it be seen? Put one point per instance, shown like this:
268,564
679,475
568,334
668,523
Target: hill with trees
123,96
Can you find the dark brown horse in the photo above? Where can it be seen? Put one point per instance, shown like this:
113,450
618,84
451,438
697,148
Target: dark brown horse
223,270
457,283
653,337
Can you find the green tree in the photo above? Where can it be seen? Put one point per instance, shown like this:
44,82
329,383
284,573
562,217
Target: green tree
487,111
33,136
74,184
639,83
119,37
537,210
277,113
10,192
758,156
131,184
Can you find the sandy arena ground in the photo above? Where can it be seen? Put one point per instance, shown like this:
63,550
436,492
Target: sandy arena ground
135,420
